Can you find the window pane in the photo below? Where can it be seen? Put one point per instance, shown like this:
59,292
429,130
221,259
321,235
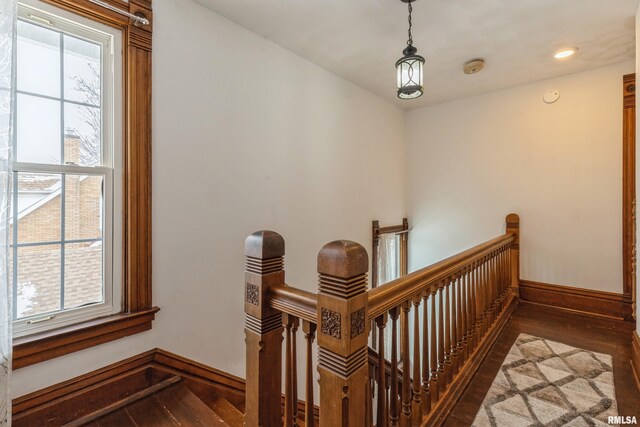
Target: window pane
38,203
83,207
82,135
38,61
81,71
38,284
38,133
82,274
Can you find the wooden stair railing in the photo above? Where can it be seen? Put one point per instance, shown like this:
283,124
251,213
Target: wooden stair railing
441,321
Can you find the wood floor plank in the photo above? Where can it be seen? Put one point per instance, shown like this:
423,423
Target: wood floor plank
116,419
229,413
120,404
150,412
186,408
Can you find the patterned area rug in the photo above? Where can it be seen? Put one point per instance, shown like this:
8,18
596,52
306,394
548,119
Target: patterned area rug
545,383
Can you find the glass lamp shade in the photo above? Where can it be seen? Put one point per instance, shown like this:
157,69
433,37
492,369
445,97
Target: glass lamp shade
410,69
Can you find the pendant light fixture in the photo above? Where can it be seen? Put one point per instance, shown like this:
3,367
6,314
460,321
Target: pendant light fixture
410,68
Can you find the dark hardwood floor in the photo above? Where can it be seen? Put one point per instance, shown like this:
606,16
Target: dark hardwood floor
562,326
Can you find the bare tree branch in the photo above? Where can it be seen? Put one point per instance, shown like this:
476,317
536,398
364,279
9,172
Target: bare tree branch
90,88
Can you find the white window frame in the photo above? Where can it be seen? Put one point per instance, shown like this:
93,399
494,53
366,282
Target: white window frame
47,16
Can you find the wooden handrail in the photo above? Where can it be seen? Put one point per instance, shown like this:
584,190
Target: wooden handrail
463,301
391,294
297,302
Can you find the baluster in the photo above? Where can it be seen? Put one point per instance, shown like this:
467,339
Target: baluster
510,273
426,395
498,281
294,373
487,295
447,335
503,278
505,274
496,291
370,394
381,414
492,296
489,292
498,265
289,403
459,323
393,394
465,315
441,343
509,289
496,274
264,252
405,419
433,351
454,327
387,390
309,330
480,301
471,306
416,410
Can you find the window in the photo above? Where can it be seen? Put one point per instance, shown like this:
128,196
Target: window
389,255
389,262
59,163
62,218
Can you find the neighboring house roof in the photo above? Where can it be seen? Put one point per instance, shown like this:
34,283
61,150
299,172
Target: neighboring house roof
37,182
39,203
55,190
39,292
39,272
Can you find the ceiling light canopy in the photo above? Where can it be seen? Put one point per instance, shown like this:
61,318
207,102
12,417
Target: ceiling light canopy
474,66
410,68
565,53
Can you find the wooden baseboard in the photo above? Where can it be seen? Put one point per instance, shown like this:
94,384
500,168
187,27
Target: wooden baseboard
606,305
447,402
69,400
62,403
635,357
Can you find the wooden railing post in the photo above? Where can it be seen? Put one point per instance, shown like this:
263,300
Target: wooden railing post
343,331
264,253
513,226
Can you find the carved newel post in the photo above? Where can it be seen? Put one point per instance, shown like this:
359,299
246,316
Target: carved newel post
342,333
513,226
264,252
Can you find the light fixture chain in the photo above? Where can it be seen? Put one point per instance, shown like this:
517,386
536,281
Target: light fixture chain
410,41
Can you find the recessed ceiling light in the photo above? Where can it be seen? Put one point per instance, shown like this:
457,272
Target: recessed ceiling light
565,53
474,66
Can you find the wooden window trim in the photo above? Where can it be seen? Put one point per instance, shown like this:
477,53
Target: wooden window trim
629,194
138,311
376,231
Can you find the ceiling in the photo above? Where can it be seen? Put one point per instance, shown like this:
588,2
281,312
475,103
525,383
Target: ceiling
360,40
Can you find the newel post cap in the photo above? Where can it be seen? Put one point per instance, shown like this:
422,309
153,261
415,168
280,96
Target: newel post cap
343,259
513,220
264,244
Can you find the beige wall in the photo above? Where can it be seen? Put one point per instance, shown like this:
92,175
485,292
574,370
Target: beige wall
473,160
246,136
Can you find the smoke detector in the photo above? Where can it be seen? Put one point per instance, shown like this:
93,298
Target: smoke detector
474,66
